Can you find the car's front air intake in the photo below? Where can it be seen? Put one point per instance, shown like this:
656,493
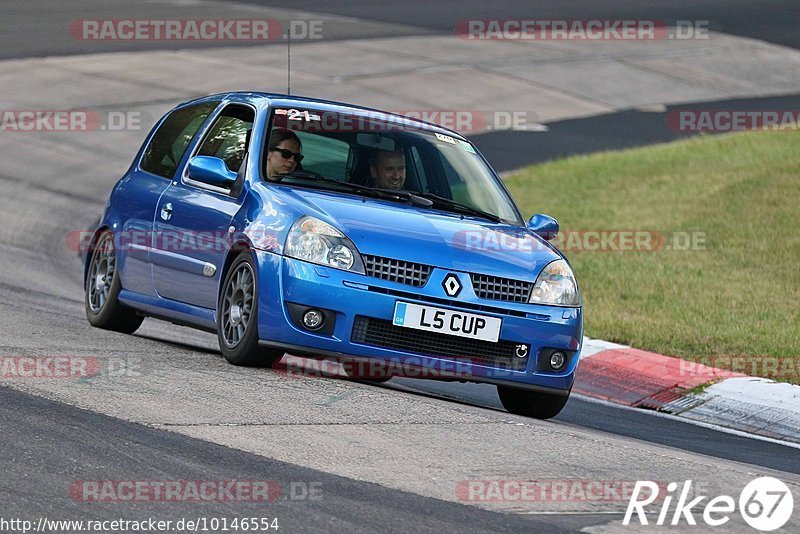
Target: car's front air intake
400,271
494,288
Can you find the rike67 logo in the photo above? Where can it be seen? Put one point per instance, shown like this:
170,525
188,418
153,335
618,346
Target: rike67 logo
765,504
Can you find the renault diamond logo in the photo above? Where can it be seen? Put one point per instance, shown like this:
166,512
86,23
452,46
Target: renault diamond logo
451,285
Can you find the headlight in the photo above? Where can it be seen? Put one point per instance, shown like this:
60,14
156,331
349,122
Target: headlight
556,285
316,241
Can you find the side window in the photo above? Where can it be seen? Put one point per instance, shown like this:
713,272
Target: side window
325,155
172,138
229,136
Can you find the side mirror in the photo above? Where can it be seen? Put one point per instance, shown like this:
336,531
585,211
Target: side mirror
544,226
211,170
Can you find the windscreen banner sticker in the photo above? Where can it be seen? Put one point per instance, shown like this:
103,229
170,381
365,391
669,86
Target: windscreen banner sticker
466,146
297,115
445,138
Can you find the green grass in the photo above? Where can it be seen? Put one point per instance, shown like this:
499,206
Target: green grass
739,296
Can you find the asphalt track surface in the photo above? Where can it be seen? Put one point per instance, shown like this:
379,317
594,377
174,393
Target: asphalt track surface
36,27
48,445
770,20
629,422
613,131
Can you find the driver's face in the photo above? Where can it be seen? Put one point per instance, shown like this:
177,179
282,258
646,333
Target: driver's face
389,172
277,164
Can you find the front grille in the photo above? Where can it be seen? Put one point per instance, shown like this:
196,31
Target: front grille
381,333
494,288
403,272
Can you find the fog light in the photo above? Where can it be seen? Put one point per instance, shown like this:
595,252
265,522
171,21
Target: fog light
313,319
557,360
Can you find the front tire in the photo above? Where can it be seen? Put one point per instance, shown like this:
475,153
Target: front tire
237,317
531,403
103,308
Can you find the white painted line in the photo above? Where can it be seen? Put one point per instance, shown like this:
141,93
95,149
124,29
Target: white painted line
760,391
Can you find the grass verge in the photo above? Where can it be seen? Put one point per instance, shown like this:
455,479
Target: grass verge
733,298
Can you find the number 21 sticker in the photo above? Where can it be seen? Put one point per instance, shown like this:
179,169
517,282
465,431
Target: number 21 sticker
297,115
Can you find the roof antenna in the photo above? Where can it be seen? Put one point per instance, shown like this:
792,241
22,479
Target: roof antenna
289,60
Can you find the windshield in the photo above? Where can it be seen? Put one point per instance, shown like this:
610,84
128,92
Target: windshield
384,152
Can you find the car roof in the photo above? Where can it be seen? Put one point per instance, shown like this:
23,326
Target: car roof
288,101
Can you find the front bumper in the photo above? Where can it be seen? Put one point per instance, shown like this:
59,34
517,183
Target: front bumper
356,300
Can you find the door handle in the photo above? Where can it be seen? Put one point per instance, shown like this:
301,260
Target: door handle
166,211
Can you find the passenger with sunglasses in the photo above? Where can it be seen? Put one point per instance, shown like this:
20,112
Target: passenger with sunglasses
284,153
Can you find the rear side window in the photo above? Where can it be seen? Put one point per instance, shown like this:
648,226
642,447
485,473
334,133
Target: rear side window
169,143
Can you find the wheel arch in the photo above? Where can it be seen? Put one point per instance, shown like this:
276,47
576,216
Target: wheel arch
239,246
90,249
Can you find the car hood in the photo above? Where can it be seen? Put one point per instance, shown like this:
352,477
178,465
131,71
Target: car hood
432,237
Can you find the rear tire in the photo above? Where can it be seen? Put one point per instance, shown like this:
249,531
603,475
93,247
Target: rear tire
103,308
531,403
237,316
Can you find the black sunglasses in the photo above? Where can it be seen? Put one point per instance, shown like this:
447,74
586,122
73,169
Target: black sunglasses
287,154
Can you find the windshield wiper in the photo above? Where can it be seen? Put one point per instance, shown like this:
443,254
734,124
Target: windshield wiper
361,189
436,199
425,200
315,177
405,195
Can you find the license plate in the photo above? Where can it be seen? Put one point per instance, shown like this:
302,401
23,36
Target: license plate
450,322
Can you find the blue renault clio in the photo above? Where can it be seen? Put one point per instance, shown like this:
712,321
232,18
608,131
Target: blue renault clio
325,230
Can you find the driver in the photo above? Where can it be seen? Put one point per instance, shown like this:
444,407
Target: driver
388,169
284,153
